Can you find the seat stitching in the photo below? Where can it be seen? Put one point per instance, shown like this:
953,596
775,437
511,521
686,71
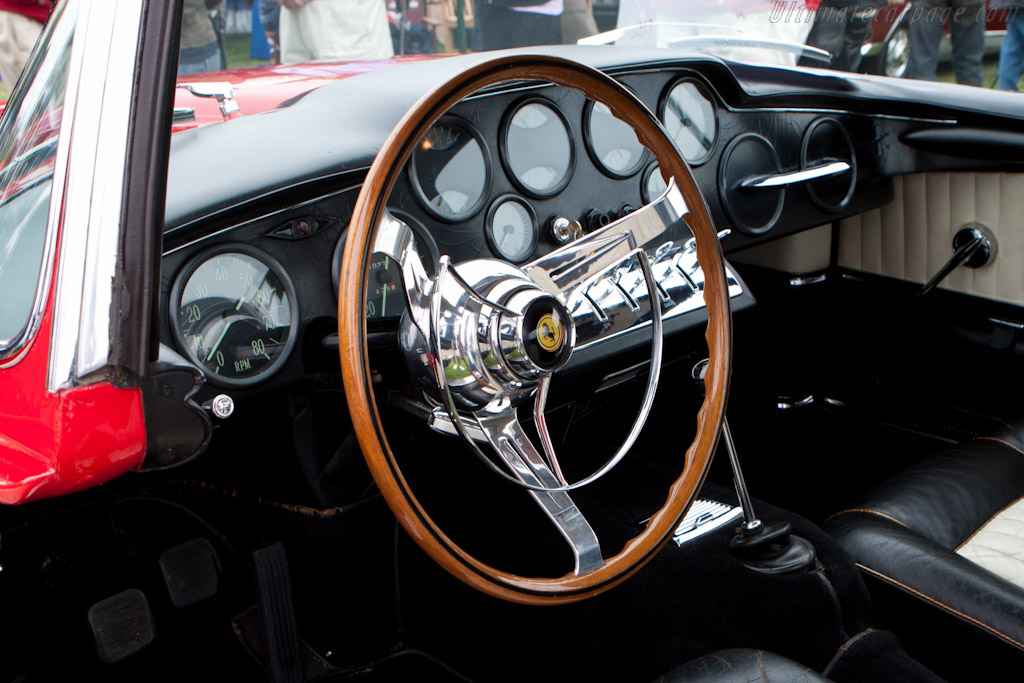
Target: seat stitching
987,522
868,512
941,605
1005,443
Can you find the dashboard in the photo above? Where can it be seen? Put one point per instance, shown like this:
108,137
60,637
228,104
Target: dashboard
513,175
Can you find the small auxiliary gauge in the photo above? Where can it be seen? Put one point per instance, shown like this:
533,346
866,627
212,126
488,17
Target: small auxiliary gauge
512,229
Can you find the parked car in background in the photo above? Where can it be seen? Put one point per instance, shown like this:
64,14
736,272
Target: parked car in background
888,49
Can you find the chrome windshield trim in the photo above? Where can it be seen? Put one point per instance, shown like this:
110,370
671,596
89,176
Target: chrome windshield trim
102,61
14,349
615,34
728,41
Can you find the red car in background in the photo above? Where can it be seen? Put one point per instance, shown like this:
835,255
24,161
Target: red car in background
889,48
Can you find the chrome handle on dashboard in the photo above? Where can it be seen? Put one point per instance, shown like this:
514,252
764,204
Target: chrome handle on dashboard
795,177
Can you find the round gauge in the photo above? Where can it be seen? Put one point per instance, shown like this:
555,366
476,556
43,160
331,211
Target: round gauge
386,295
512,229
450,170
690,119
234,313
537,148
654,184
612,142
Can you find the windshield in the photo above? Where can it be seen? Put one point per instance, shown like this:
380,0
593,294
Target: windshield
755,31
238,58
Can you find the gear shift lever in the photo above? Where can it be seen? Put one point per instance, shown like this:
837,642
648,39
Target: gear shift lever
769,548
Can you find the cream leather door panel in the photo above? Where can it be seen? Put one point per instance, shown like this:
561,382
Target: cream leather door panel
911,237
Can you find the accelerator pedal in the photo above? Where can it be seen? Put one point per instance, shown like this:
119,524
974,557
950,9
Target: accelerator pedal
191,571
122,625
277,611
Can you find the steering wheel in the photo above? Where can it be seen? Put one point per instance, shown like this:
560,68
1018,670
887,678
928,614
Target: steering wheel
507,329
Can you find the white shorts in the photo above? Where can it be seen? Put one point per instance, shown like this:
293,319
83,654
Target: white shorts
18,36
335,29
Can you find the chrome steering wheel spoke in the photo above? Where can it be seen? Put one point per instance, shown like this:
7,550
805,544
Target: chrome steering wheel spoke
396,240
513,446
470,331
567,271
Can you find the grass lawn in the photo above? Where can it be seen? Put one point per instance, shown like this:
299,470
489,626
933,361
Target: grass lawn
991,65
237,47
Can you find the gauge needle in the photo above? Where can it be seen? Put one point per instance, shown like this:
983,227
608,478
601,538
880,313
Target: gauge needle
240,302
219,339
509,230
384,296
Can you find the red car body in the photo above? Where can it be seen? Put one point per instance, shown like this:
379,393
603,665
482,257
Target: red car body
263,88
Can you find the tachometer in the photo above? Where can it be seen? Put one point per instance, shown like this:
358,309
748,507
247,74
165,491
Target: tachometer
234,313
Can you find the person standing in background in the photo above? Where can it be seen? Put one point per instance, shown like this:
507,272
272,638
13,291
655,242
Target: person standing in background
200,44
270,17
21,21
841,27
967,31
1011,53
516,23
577,20
334,29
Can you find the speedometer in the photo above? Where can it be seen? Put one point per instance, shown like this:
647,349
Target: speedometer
234,313
385,290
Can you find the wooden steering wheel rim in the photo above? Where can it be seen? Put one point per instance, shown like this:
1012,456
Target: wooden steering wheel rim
367,213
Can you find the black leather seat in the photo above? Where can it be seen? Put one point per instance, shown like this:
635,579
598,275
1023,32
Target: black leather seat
913,535
742,665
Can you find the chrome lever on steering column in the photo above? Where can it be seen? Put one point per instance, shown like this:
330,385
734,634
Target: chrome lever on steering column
750,521
769,548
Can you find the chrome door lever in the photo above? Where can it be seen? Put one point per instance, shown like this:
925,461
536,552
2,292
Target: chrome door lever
974,246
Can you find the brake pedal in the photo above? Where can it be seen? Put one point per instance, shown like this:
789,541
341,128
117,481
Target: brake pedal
191,572
122,625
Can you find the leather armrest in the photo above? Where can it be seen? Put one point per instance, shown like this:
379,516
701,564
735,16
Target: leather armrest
937,575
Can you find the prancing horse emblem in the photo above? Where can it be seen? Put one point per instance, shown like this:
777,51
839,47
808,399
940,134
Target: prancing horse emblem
549,333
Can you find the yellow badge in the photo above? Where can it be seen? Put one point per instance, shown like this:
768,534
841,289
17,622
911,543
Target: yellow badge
549,333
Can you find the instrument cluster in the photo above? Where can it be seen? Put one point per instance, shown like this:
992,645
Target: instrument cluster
507,176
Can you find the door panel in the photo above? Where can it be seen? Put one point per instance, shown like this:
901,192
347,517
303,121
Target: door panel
911,238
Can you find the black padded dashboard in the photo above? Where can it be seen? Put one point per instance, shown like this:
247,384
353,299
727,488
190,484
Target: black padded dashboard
290,196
